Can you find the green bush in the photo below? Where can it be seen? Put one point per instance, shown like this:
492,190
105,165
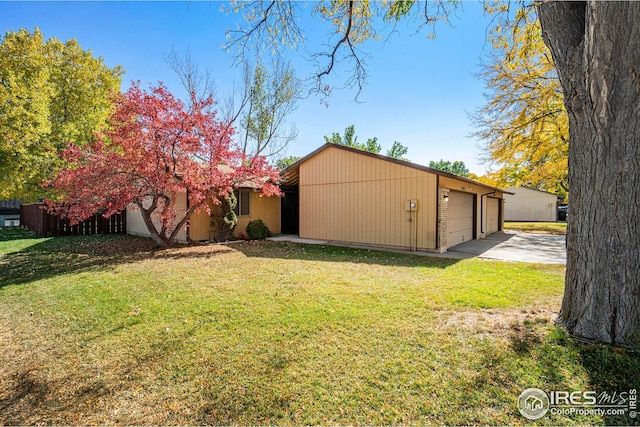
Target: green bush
257,230
224,219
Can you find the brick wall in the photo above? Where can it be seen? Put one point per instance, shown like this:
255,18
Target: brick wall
443,214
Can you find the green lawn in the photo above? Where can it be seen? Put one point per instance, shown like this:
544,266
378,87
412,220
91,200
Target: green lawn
108,330
537,227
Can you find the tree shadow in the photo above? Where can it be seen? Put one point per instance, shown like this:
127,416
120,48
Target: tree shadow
72,254
330,253
479,246
16,233
35,393
610,370
24,385
57,256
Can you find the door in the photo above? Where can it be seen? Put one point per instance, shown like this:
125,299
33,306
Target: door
459,218
493,215
289,220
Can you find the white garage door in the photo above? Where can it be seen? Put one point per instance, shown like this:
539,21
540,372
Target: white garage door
459,218
492,215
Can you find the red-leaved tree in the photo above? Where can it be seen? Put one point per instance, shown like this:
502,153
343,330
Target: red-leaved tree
153,150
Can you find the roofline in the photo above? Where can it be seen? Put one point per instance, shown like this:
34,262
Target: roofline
392,160
535,189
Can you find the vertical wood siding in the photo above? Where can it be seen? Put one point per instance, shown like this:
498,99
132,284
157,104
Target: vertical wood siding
493,215
350,197
37,219
200,225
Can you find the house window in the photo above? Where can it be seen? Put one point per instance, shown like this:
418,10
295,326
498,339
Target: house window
243,207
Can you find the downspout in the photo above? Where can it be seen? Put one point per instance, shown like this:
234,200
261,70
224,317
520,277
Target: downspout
416,221
437,212
482,210
187,224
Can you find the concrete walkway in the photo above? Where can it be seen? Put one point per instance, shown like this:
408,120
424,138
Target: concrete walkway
517,246
503,246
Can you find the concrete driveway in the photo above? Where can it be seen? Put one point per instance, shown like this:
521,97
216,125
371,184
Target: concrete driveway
515,246
503,246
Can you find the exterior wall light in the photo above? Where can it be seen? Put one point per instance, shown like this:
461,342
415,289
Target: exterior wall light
445,197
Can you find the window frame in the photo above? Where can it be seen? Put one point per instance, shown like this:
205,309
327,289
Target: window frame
240,205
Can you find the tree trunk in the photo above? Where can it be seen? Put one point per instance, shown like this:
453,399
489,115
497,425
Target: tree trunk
596,49
153,232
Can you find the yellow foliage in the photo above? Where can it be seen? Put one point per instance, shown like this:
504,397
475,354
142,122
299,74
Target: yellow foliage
524,123
359,14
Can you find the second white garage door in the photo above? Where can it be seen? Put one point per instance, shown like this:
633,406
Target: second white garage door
493,213
459,218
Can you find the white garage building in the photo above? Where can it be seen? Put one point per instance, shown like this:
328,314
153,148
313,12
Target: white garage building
529,204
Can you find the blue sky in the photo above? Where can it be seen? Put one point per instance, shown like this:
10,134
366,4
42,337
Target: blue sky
420,90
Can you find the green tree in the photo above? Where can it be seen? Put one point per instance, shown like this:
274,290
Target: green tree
285,162
457,167
350,139
524,123
51,93
272,97
398,151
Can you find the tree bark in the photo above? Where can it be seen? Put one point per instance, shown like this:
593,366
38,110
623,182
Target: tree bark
153,232
596,50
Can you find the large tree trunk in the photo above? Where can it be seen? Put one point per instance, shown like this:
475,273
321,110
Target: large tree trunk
148,221
596,49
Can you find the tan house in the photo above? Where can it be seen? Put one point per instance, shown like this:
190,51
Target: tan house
251,205
342,194
347,195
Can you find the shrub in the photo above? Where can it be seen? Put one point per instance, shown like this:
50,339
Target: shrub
224,219
257,230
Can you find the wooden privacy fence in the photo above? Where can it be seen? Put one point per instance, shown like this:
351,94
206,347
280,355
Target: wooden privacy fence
37,219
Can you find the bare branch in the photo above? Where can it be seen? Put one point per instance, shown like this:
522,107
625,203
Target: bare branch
199,85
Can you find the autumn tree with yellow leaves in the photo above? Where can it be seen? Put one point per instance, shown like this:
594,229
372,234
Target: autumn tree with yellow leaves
51,93
524,123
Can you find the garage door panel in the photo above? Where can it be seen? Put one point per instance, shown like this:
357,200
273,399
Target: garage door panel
460,224
493,215
459,218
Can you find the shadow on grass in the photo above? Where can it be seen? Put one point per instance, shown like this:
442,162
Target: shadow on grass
24,384
71,254
16,233
329,253
33,393
610,370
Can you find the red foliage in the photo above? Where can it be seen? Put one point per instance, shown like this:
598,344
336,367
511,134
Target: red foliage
153,149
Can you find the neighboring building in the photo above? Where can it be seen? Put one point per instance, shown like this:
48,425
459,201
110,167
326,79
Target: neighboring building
342,194
347,195
529,204
10,212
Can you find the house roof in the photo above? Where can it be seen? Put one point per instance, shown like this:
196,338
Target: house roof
252,184
514,188
291,175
